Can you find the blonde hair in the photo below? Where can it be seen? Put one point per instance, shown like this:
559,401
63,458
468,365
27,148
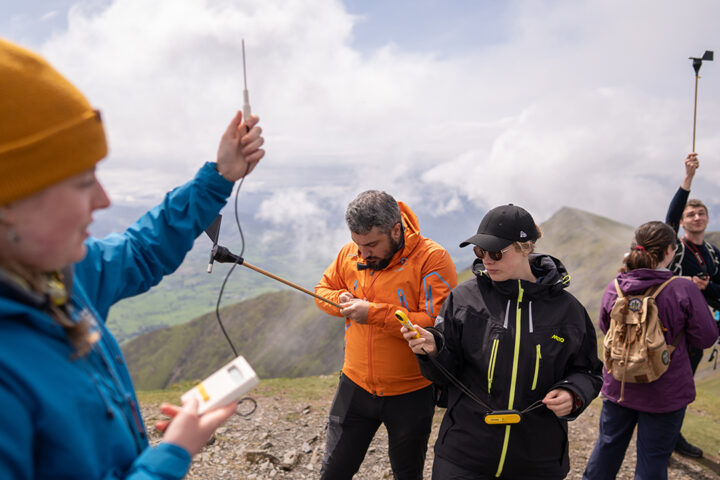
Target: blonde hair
80,333
528,246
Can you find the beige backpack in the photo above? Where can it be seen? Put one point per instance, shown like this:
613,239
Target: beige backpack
635,347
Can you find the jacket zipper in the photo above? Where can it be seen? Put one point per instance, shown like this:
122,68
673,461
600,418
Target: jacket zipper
513,378
491,369
371,380
538,356
370,374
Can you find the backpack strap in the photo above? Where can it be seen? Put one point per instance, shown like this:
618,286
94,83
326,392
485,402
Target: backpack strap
713,255
676,263
617,289
659,288
654,295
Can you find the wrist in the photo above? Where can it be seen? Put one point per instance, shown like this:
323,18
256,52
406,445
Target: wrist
223,172
577,402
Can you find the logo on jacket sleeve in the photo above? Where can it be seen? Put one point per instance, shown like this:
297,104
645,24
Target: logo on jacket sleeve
559,339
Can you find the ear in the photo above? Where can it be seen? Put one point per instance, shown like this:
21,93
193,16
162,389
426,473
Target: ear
668,257
396,232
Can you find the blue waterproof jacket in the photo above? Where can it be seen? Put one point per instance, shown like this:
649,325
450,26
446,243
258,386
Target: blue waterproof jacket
63,417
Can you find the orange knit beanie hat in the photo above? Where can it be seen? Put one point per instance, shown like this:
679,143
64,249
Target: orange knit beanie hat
48,130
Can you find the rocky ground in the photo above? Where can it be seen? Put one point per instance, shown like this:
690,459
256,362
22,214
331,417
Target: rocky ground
284,439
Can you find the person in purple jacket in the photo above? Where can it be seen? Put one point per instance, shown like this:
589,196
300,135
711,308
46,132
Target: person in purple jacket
657,408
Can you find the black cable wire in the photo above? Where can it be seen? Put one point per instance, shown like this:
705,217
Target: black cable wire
468,392
242,251
253,407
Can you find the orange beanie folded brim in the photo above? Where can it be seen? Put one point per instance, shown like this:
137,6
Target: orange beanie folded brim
48,130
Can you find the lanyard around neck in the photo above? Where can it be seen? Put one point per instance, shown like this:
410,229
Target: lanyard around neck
694,251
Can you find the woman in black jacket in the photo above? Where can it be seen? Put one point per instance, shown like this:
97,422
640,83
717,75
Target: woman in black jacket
525,351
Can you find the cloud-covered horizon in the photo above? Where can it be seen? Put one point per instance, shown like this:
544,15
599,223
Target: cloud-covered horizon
585,104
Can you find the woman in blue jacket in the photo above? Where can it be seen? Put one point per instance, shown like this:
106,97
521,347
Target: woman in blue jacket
69,410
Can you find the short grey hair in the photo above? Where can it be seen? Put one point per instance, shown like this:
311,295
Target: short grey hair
372,208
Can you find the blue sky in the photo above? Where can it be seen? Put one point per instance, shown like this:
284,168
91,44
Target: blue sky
443,104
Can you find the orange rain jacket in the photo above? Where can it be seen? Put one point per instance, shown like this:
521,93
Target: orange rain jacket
417,281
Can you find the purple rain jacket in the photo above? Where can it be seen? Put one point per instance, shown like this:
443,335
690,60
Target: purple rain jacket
681,307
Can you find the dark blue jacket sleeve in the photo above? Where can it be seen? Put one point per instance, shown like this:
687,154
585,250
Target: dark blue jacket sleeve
123,265
676,208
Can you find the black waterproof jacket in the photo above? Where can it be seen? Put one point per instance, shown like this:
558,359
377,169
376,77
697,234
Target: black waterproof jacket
511,343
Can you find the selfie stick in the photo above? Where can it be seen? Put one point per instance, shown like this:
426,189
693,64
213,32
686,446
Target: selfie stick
697,63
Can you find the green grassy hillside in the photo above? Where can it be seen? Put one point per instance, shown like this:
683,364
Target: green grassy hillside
282,334
190,292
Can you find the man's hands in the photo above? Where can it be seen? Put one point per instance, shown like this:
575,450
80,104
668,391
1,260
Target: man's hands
354,308
691,165
239,149
560,401
187,429
702,283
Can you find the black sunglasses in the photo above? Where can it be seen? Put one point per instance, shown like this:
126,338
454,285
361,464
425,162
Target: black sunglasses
496,256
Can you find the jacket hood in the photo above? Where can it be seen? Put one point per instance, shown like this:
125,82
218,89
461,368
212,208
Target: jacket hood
641,279
411,232
552,276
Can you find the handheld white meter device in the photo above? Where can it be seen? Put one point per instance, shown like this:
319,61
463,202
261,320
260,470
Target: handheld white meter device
224,386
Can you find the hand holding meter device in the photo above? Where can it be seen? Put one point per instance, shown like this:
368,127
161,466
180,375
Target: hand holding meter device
405,321
224,386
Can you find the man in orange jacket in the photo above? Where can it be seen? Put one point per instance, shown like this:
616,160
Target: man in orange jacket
388,266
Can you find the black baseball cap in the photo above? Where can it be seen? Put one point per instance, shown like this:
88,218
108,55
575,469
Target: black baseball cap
502,226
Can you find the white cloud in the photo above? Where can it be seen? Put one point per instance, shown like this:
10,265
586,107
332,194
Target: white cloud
296,210
587,104
49,16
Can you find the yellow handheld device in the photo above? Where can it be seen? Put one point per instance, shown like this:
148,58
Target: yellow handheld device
503,417
405,321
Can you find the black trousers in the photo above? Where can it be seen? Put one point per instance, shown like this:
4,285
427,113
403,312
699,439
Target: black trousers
355,416
446,470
